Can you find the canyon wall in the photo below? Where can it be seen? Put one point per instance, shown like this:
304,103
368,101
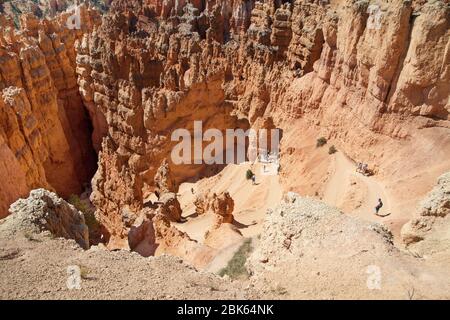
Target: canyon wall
219,62
45,136
380,92
374,80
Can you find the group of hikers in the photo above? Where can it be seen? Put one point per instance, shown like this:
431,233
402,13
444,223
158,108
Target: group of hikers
362,168
271,157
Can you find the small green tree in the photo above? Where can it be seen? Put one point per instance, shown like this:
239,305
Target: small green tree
249,174
332,150
88,213
236,266
321,142
84,272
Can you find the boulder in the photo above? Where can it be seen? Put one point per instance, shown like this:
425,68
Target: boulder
44,210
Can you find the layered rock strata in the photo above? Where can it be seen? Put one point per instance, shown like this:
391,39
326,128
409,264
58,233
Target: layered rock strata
156,66
45,131
343,69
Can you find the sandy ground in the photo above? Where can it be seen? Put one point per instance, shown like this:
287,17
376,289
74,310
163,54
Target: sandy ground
357,194
346,189
405,170
251,201
351,192
311,171
37,268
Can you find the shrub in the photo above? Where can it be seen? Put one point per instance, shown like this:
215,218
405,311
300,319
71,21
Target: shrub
321,142
89,216
332,150
84,272
39,13
100,5
29,236
279,290
236,266
91,221
249,174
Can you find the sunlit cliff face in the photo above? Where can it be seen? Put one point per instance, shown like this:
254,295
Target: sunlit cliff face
123,83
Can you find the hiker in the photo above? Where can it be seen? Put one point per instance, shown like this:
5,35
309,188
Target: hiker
192,190
359,167
379,206
365,166
253,179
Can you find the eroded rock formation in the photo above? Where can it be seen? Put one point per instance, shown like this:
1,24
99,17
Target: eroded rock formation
152,235
431,222
44,210
221,205
45,131
45,8
156,66
378,86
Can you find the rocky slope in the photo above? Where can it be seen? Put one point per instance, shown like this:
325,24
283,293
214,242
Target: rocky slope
428,232
35,266
311,251
307,250
44,236
45,136
45,211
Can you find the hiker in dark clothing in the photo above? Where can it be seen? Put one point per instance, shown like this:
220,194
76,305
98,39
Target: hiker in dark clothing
378,207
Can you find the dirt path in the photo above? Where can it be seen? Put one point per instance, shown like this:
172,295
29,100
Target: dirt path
250,201
355,193
250,205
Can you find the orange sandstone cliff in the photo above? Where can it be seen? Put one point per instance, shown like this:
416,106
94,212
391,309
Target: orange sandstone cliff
380,92
45,132
378,89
